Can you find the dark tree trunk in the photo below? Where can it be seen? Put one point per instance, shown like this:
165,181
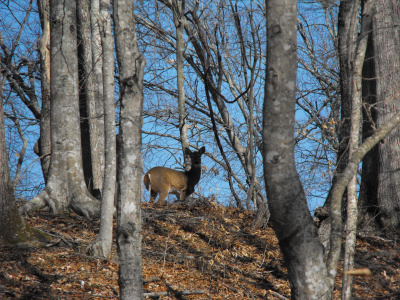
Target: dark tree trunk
89,134
380,192
368,197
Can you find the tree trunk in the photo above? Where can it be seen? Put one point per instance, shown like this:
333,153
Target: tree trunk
96,105
381,199
347,36
340,186
66,186
86,93
103,244
178,15
290,216
44,51
352,46
131,66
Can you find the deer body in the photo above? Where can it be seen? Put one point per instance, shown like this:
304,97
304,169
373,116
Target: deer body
163,181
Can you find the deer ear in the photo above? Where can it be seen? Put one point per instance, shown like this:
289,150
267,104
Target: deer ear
202,150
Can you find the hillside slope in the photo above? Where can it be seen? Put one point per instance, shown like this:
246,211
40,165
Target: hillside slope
201,252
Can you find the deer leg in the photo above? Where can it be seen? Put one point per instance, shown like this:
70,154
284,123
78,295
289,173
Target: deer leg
183,195
161,199
153,196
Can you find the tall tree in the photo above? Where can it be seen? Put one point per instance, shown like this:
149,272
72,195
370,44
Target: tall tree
103,243
178,20
90,96
96,105
130,166
44,150
380,189
290,216
86,91
353,37
66,186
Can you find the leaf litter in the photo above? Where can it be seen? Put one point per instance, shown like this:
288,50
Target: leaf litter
202,251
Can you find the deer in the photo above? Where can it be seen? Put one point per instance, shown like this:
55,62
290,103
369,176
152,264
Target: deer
163,181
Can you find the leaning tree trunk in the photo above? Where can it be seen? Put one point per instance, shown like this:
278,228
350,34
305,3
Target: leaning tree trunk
348,29
66,186
352,41
380,188
290,216
131,66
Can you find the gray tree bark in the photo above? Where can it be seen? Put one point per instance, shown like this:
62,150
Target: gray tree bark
102,246
44,51
178,17
66,186
96,105
291,219
130,166
90,155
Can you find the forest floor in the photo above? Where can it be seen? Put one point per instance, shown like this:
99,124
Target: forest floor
201,252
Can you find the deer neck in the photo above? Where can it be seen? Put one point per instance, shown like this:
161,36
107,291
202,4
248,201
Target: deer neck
194,174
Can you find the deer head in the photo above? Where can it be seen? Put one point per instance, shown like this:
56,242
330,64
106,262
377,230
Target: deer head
163,181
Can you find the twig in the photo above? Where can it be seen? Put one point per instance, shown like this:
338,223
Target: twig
278,295
229,287
114,290
177,294
389,296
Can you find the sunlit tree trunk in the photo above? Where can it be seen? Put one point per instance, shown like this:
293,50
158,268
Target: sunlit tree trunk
131,66
96,105
178,15
66,186
290,216
103,243
44,149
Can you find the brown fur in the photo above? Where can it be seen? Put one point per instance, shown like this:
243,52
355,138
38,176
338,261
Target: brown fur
163,181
